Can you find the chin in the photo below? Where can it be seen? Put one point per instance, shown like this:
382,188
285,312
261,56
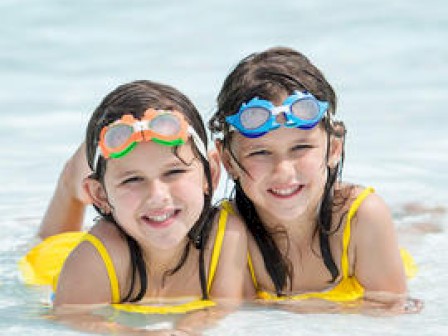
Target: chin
288,214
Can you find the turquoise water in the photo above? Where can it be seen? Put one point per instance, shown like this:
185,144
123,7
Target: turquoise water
386,59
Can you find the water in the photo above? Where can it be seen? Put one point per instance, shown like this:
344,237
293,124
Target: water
386,60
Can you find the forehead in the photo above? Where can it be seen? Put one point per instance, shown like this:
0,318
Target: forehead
280,137
150,155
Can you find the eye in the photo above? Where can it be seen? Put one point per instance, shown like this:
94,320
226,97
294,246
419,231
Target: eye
261,152
301,147
133,179
175,172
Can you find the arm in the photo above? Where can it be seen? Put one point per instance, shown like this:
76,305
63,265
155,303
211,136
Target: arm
65,211
83,279
377,261
228,285
82,318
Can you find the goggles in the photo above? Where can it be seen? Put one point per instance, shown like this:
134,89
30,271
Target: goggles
258,116
168,128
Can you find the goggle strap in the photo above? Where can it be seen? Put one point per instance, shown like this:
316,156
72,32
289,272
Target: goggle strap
198,142
96,157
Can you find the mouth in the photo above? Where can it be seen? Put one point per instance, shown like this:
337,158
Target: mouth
160,219
286,192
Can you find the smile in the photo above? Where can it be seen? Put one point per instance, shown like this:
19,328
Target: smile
286,192
160,219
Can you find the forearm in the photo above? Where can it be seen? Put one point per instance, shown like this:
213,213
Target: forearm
66,209
87,322
195,323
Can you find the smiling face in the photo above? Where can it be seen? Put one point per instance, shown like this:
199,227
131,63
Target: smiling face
286,170
153,195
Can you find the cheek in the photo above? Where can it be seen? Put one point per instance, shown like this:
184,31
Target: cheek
191,188
254,168
313,161
313,165
125,198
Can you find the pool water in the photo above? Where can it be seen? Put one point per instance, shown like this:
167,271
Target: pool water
387,61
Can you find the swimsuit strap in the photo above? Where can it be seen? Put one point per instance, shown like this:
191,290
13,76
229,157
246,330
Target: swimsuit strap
347,230
217,246
252,271
114,286
228,207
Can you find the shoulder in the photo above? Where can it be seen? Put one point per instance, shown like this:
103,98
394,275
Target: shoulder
373,212
76,284
235,226
372,225
363,203
229,278
235,230
377,262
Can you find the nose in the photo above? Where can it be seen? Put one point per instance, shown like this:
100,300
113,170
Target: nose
284,169
158,193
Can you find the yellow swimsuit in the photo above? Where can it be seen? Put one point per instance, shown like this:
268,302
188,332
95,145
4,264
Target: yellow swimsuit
43,263
348,289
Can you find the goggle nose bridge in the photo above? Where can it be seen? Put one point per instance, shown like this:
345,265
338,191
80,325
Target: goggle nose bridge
140,125
276,110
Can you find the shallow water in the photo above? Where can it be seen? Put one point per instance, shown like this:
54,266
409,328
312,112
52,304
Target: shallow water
386,60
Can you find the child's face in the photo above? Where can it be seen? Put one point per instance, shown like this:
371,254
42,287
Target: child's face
287,171
154,196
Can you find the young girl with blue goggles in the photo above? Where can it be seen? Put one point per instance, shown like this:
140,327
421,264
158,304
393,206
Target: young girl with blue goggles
312,235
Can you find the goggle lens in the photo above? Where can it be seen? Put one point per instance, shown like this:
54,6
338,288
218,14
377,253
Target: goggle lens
117,135
166,125
305,109
254,117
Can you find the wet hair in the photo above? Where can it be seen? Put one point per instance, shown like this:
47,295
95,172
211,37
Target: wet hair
268,75
135,98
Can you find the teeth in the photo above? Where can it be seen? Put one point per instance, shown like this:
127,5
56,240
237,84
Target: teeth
160,218
286,191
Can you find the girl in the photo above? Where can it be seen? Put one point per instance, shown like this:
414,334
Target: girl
159,237
312,236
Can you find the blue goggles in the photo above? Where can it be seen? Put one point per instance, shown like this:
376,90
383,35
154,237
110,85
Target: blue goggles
258,116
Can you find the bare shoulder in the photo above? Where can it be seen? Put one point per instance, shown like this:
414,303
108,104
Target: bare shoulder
372,221
235,227
371,206
230,274
375,247
235,234
116,245
84,278
373,212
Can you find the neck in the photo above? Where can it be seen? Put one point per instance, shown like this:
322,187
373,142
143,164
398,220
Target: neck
299,230
159,261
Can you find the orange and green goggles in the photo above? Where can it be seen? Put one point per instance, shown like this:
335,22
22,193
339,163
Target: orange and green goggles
168,128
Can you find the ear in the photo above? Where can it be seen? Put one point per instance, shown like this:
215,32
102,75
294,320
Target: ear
226,159
215,167
95,191
336,146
